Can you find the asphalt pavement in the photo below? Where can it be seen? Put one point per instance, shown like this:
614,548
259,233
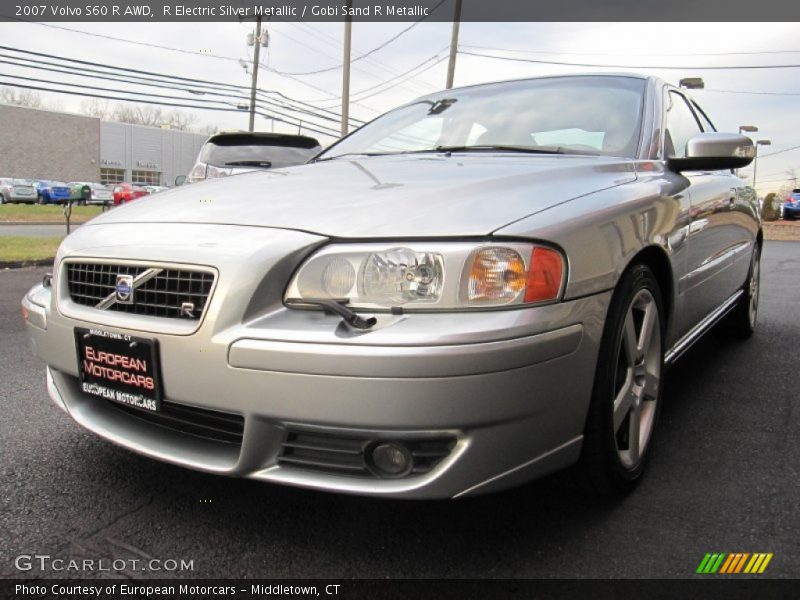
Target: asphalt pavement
724,477
38,230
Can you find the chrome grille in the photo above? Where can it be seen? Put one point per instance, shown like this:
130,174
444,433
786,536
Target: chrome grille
163,293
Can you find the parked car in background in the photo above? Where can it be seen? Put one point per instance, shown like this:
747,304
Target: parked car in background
791,208
53,192
16,190
236,152
154,189
126,192
474,290
99,194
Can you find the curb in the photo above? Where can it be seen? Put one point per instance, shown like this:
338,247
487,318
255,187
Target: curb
21,264
73,223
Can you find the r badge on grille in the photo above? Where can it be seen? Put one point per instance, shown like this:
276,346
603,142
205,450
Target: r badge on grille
123,291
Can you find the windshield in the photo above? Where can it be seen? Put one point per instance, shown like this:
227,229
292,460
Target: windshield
252,152
580,115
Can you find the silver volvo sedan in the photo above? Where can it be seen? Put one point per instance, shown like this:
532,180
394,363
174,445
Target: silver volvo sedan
475,289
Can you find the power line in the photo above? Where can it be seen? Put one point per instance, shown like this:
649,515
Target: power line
749,92
306,46
376,49
663,67
436,57
667,55
269,104
437,60
779,152
383,67
146,78
181,50
151,95
159,103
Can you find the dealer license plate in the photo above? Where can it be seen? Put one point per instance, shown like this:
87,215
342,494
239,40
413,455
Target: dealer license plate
119,367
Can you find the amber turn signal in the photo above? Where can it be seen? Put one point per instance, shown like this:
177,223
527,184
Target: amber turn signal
544,276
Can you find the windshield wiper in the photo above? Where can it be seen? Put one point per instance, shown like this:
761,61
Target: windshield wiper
501,148
351,154
336,307
249,163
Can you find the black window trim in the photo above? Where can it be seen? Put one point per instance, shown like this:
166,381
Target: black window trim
668,89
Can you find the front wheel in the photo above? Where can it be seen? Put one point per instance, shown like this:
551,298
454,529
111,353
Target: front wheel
627,386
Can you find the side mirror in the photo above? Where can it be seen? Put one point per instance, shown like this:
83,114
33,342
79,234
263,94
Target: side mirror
180,180
714,151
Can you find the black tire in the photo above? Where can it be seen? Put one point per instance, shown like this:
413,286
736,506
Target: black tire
742,320
609,464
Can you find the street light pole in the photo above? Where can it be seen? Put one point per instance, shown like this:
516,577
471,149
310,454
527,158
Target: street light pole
755,160
451,66
748,129
256,51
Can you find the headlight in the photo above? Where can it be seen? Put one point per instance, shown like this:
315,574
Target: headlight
430,276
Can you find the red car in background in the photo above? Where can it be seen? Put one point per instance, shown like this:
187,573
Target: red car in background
125,192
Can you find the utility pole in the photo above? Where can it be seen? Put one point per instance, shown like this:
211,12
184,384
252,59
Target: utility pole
348,32
256,51
451,67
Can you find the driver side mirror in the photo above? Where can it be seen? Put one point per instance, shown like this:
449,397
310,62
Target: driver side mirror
180,180
713,151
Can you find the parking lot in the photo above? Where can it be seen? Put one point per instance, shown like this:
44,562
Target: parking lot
723,478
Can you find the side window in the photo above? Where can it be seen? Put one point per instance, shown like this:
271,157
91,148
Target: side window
704,121
681,126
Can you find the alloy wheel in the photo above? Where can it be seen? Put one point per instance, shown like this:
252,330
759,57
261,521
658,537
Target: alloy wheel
755,281
637,380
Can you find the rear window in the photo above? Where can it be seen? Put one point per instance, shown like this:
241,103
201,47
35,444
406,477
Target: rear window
253,151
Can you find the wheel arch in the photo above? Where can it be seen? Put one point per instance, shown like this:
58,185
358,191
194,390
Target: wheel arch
656,258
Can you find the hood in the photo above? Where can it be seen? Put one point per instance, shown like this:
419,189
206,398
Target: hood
386,196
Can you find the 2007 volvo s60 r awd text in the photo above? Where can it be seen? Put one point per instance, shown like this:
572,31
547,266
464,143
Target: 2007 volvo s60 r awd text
475,289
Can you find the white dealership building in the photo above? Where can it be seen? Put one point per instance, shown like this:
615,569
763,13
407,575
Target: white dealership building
68,147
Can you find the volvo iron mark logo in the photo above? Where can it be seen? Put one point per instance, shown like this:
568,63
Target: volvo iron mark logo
123,291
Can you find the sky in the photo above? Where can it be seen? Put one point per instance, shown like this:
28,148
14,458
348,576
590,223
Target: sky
766,98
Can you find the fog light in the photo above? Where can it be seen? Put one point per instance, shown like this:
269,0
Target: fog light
391,459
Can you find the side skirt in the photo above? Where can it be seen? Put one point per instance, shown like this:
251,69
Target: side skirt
688,340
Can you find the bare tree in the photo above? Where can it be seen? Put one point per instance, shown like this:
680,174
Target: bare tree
137,114
22,97
96,107
176,119
208,130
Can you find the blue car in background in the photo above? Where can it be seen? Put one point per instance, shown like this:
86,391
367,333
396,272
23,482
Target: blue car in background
791,208
53,192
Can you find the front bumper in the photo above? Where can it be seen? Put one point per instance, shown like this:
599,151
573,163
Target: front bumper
510,388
